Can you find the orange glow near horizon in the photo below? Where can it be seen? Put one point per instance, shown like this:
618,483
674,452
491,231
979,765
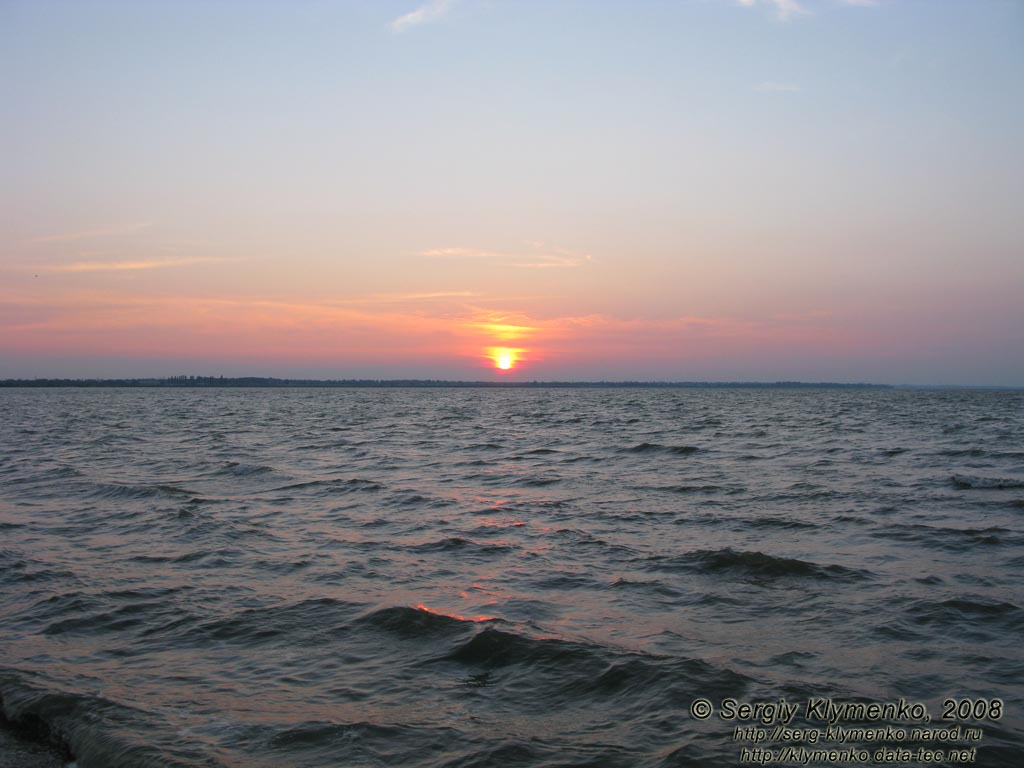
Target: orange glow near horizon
436,340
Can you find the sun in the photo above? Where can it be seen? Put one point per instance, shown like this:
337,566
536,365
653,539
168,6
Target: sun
504,358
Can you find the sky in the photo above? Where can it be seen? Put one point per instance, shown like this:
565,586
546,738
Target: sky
755,190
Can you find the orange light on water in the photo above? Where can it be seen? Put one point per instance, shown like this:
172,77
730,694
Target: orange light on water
481,618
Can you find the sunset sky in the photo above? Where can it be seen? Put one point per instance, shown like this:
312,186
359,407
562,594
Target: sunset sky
690,190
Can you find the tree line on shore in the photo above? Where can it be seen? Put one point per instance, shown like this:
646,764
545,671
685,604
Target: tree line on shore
261,381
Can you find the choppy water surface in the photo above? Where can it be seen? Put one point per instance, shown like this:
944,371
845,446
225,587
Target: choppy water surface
498,577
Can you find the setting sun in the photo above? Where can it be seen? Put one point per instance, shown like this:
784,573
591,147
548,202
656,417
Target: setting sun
504,358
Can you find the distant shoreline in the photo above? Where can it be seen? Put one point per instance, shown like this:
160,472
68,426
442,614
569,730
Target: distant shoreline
206,382
259,381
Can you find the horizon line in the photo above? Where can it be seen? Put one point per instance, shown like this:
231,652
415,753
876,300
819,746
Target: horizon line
226,382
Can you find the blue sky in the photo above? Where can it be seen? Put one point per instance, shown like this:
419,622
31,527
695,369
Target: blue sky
709,189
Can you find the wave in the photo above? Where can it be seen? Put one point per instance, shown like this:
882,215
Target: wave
534,481
677,450
118,620
355,743
116,491
958,452
682,488
406,497
493,647
418,621
955,610
555,674
757,566
780,523
953,539
656,587
96,731
975,620
241,469
209,558
65,472
965,482
581,540
295,624
459,544
339,484
87,613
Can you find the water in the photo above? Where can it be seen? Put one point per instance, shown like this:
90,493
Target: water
429,577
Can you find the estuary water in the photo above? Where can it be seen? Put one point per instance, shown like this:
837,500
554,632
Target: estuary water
442,578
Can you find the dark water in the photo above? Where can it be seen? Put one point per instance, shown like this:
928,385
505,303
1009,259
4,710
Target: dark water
500,577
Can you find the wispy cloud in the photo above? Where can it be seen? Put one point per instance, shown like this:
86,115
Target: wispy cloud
403,298
861,3
458,253
536,256
503,328
772,86
428,12
784,9
71,237
545,256
128,266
